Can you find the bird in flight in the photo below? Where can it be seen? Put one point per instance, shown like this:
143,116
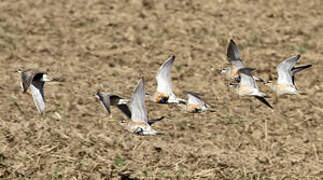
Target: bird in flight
139,123
286,77
247,86
235,60
164,93
108,99
195,104
35,80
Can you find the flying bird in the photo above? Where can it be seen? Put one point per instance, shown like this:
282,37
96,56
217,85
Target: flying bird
164,93
35,80
235,60
107,100
196,104
286,77
139,123
247,86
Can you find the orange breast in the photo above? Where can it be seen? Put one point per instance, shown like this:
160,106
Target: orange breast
138,123
160,97
235,73
193,108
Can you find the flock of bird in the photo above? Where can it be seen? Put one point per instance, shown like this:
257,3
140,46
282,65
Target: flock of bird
135,111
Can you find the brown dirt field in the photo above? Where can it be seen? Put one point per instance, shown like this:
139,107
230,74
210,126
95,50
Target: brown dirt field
111,44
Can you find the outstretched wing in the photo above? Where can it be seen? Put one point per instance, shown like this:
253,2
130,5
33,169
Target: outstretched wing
37,92
246,77
28,76
25,81
194,99
285,74
163,77
107,100
298,69
234,55
152,121
264,101
125,109
104,100
137,105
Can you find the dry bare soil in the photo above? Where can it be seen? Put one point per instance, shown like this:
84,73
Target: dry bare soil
110,44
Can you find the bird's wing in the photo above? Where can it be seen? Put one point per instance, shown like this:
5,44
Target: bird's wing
137,104
246,77
152,121
194,99
104,100
25,81
125,109
37,92
28,76
114,99
163,77
298,69
234,55
285,70
264,101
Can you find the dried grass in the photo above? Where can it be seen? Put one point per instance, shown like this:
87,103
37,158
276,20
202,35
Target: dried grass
111,44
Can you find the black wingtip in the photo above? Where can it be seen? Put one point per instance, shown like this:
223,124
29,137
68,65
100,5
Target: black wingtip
300,68
109,110
233,51
172,58
307,66
264,101
232,41
150,122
